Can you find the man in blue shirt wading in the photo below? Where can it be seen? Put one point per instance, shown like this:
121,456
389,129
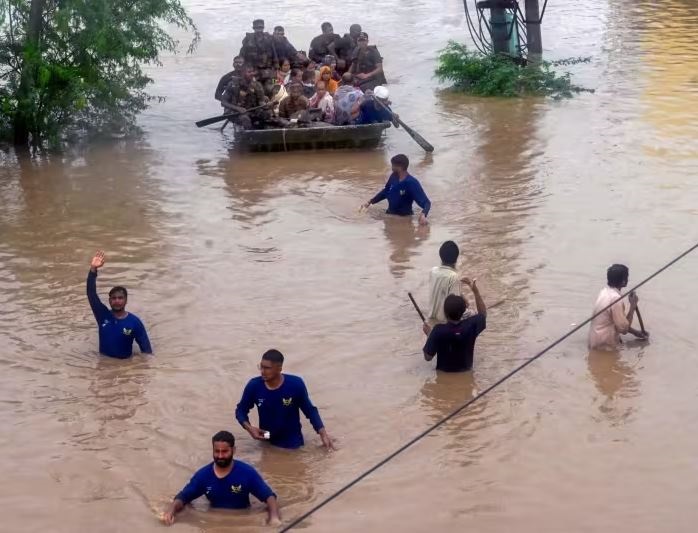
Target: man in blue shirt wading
401,190
117,328
453,343
226,484
279,398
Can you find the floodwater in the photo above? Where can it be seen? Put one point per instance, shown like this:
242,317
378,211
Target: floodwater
227,255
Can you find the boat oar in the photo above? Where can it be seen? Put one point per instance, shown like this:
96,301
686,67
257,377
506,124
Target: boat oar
227,116
421,141
416,307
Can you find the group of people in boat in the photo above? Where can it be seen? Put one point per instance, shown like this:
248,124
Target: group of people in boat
451,326
339,81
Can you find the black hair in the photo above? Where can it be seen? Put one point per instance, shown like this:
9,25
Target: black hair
356,27
325,25
617,275
295,72
224,436
248,66
120,289
275,356
454,307
449,253
308,75
238,57
400,160
279,28
257,22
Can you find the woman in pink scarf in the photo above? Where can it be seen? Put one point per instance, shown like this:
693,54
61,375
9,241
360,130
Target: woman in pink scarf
323,100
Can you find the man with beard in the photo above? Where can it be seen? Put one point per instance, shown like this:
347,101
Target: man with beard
238,62
243,94
117,328
279,399
320,45
226,483
367,64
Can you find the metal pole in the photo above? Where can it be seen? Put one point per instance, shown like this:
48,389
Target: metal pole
535,40
498,22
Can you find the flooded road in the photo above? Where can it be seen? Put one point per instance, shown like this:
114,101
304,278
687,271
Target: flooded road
226,255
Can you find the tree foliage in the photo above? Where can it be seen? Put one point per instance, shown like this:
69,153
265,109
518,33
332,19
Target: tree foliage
85,70
498,75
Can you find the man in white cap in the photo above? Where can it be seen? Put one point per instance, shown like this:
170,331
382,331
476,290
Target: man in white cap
372,112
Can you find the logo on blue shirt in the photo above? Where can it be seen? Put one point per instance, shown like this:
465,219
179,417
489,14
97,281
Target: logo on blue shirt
287,402
127,331
237,489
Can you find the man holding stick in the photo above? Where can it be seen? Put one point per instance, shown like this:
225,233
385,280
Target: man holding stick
606,329
453,343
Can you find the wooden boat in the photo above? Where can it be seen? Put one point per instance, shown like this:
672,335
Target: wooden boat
315,136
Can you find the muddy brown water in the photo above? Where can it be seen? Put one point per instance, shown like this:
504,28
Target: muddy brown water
227,254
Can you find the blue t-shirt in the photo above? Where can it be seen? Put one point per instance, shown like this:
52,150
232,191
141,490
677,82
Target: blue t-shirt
401,194
116,335
230,492
279,410
454,343
372,113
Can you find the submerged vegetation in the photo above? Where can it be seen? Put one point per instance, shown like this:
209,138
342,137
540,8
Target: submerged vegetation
76,64
498,75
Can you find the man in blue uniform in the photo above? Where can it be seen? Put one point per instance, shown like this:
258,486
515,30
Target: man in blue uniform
117,328
279,399
226,483
401,190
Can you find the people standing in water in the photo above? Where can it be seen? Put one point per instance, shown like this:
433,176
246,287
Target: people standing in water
117,327
226,483
443,280
453,343
401,190
606,329
279,399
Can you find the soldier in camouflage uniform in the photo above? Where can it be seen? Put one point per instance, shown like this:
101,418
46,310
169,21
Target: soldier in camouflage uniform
367,65
259,51
245,93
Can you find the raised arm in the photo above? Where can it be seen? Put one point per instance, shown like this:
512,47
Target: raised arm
479,302
313,415
99,310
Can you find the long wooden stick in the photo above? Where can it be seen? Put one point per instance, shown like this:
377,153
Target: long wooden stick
421,141
639,318
416,307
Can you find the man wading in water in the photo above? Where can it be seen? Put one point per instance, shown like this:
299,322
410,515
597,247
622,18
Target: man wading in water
401,190
117,328
279,398
227,484
606,329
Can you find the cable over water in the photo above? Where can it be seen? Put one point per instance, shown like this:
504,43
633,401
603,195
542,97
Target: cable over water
486,391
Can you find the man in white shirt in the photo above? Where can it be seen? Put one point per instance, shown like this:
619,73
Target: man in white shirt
606,329
444,280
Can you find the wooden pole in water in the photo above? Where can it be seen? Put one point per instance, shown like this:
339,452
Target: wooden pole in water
533,33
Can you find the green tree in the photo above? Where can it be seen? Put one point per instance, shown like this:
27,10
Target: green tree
79,63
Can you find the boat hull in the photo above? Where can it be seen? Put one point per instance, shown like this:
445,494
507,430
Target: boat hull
311,138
